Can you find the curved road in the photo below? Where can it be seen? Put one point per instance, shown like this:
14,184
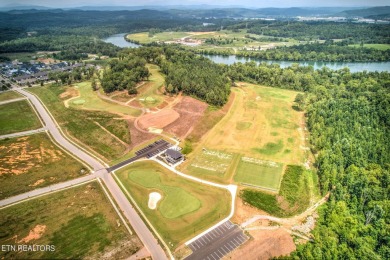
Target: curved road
129,212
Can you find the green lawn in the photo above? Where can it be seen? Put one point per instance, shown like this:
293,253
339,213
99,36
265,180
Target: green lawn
148,92
31,162
79,223
90,101
212,164
9,95
298,188
17,117
82,125
378,46
263,174
175,202
186,207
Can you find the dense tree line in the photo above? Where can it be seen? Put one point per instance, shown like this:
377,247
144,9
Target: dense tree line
348,117
306,31
196,76
69,77
124,74
69,44
311,52
320,52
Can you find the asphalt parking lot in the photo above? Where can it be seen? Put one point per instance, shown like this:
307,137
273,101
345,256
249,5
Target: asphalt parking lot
217,243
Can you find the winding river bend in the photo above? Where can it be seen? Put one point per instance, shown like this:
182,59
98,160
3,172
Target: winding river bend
119,40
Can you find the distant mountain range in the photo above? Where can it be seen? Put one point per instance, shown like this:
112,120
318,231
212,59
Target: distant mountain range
232,12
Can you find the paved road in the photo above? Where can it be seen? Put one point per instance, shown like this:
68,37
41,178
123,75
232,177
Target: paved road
45,190
12,100
29,132
135,220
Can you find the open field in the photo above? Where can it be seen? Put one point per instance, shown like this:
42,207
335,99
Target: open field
186,207
164,36
299,188
9,95
260,125
79,222
224,39
98,131
31,162
378,46
17,117
20,56
90,101
148,93
260,173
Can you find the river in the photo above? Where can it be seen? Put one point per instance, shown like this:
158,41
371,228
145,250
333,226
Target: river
119,40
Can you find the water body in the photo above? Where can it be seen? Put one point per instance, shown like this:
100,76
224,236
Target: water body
353,66
119,40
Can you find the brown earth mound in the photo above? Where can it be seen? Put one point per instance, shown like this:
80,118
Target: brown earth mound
266,244
191,111
158,120
138,137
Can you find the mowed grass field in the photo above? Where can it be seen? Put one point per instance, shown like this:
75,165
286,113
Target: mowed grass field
186,207
89,100
236,39
97,131
377,46
7,95
31,162
79,222
17,117
298,190
260,125
259,173
148,95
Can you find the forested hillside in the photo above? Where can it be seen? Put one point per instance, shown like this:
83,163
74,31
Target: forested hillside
349,121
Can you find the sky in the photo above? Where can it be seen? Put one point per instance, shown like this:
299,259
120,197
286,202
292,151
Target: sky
246,3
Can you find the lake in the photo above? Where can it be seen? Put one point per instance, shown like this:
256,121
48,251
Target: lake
119,40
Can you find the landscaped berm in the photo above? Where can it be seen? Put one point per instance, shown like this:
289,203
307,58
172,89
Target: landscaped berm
77,223
186,208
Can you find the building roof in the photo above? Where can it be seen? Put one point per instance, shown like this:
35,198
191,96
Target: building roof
174,154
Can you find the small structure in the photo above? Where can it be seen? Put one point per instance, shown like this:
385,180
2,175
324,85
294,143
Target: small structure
173,156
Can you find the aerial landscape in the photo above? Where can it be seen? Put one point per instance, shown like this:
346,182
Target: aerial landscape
194,129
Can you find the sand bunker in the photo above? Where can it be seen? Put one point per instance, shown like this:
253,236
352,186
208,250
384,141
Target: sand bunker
159,119
154,197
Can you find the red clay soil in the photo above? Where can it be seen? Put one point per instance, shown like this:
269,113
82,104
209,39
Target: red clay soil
265,244
138,137
191,111
135,103
159,119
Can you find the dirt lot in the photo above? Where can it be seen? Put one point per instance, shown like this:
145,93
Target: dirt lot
20,158
158,120
138,137
265,244
190,111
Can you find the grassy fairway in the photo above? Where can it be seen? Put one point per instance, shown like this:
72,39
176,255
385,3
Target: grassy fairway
96,130
164,36
229,40
263,174
186,207
297,189
9,95
260,125
381,47
148,92
90,101
79,222
17,117
31,162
